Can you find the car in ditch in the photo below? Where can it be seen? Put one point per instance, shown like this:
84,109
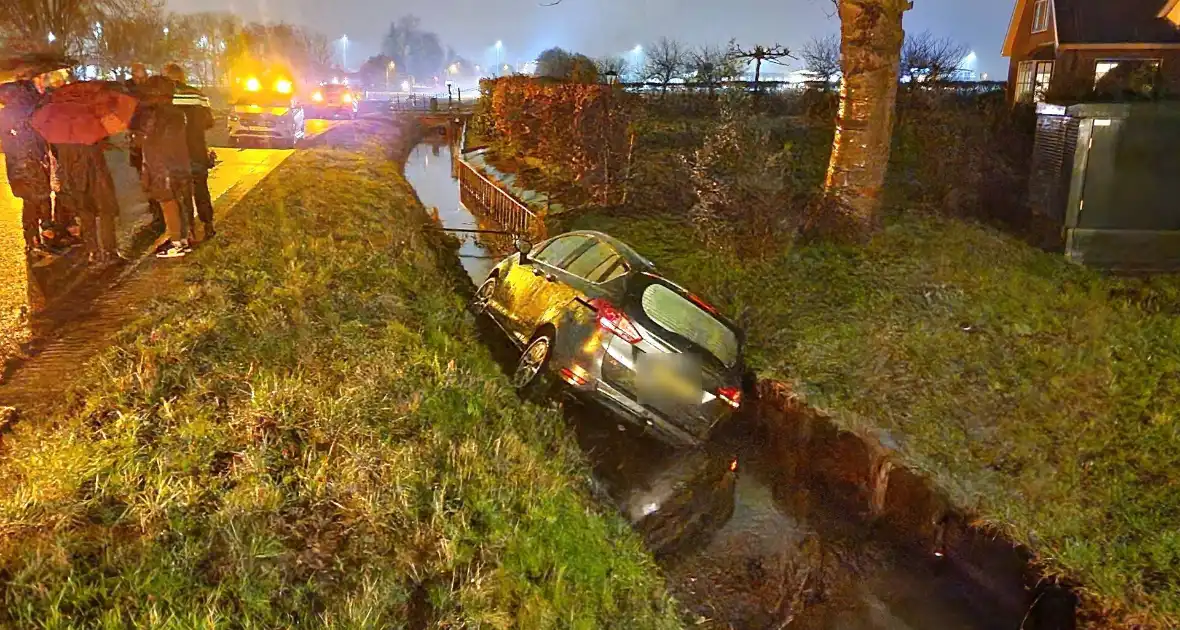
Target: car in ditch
593,317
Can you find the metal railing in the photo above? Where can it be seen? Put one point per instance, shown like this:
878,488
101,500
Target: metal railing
480,195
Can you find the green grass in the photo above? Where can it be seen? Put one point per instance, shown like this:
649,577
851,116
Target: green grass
308,433
1042,395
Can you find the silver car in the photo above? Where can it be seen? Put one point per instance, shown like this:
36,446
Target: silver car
593,316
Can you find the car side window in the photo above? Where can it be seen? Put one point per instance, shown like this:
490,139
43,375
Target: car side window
560,250
615,270
589,264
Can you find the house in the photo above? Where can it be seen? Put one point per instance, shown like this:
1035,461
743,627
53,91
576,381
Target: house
1071,48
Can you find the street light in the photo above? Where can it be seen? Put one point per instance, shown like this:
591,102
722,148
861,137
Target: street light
165,31
52,37
499,52
344,53
392,66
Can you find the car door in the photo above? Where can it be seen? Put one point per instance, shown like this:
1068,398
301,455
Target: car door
526,290
579,277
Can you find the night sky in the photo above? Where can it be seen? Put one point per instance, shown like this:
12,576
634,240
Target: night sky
601,27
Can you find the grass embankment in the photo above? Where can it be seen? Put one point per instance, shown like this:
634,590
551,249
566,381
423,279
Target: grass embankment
310,434
1043,395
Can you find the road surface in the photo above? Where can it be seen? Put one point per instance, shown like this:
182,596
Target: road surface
238,171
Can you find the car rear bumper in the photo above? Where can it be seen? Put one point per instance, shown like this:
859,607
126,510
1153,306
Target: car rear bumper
621,404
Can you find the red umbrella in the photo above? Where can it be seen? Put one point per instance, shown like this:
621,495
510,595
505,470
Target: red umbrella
84,113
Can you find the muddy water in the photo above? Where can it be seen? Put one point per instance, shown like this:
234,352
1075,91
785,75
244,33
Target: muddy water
788,557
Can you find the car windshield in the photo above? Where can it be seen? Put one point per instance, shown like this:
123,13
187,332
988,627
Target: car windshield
681,316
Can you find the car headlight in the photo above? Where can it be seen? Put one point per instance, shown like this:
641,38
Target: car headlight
317,97
347,98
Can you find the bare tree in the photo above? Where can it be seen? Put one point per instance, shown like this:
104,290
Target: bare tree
712,65
871,38
821,59
925,57
667,59
52,24
759,54
612,66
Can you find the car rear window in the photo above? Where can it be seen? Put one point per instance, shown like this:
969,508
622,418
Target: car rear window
680,316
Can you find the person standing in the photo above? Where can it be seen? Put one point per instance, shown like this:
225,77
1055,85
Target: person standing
198,120
88,189
26,155
134,87
167,172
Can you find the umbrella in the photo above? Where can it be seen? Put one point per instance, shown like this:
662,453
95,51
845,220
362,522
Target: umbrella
29,65
84,113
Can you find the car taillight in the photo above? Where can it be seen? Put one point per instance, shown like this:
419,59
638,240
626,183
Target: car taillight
611,319
731,395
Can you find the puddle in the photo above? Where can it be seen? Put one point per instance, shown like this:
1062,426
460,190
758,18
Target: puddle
787,557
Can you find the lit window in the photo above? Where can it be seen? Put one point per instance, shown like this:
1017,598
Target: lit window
1126,75
1032,81
1040,16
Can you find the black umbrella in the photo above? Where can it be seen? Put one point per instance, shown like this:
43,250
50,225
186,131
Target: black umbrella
29,65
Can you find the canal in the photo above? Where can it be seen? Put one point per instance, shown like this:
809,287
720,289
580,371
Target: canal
788,556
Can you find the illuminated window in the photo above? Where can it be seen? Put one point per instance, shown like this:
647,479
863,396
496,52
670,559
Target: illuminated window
1126,75
1040,16
1032,81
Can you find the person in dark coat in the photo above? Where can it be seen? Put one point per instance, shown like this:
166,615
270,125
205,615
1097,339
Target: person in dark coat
134,86
26,156
198,120
88,189
167,172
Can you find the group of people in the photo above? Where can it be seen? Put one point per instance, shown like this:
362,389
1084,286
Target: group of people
67,191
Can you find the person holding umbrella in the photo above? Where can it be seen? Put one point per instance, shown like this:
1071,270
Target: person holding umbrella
77,119
27,157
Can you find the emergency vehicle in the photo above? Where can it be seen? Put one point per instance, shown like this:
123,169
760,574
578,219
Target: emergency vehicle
266,108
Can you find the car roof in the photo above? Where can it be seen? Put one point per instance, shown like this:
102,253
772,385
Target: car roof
633,258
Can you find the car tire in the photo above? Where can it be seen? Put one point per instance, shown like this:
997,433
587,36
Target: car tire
483,296
532,378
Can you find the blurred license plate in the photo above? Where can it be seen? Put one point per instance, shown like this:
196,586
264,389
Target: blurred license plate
667,378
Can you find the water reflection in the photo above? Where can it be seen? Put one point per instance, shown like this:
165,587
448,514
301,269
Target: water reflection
430,171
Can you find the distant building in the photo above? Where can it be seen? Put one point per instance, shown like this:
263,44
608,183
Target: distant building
1081,46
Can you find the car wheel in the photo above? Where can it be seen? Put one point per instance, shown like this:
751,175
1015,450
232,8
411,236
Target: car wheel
532,378
483,296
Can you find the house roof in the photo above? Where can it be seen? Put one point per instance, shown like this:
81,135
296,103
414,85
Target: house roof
1121,22
1105,22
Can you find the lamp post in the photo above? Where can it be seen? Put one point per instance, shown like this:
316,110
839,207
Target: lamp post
390,68
344,52
499,52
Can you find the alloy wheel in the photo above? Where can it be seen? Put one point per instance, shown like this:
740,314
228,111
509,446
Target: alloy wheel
531,362
483,296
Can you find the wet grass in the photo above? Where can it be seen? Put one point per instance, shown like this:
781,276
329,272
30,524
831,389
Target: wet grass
1044,396
309,434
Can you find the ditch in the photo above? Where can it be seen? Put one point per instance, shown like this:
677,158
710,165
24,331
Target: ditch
791,554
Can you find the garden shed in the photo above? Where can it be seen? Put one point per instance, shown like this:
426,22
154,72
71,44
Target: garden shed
1110,175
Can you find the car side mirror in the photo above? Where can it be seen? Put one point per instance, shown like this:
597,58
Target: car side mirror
524,247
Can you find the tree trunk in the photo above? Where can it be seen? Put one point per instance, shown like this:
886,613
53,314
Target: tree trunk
871,40
757,74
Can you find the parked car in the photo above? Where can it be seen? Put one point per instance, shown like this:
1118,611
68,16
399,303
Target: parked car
333,101
594,316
